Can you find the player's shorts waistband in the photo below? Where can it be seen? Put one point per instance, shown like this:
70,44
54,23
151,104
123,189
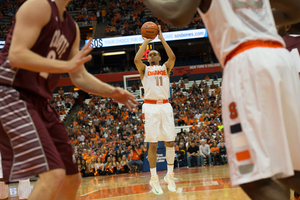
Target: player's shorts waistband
252,44
156,101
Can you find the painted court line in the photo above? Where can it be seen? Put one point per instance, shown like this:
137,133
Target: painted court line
179,190
89,193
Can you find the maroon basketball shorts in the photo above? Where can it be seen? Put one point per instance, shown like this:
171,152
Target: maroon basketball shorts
33,139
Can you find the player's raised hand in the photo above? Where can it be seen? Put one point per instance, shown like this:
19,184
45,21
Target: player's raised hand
125,97
147,39
160,35
80,58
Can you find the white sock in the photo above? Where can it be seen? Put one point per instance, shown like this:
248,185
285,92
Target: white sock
170,169
153,171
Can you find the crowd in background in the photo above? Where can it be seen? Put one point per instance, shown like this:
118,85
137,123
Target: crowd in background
126,18
61,102
120,17
109,139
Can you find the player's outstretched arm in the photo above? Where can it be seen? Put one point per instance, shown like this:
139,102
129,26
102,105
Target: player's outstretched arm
29,23
286,12
175,12
171,56
87,82
138,57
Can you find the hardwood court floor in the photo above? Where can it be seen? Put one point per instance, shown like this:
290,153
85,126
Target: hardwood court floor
205,183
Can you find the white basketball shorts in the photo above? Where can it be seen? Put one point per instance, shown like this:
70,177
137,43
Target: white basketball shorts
261,113
159,122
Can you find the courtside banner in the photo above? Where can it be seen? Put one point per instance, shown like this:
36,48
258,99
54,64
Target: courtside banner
137,39
2,43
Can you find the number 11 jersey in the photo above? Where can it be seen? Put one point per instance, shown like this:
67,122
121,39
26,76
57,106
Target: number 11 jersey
156,82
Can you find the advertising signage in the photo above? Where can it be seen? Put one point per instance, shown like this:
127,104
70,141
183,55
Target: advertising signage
137,39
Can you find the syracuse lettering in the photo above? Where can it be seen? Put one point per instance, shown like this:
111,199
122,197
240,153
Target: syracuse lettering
157,72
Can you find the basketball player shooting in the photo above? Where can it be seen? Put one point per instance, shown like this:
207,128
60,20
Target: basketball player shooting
260,94
159,120
43,43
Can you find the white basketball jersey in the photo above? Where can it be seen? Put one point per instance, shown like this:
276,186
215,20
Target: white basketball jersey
232,22
156,82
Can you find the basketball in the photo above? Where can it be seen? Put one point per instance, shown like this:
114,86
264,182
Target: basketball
149,30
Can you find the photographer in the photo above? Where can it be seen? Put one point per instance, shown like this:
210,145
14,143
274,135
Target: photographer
135,155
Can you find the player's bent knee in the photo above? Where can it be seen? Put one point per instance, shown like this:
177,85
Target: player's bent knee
153,144
54,177
169,144
74,180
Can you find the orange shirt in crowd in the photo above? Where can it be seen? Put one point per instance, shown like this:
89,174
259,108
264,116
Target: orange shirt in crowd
107,29
61,92
135,155
215,149
103,13
188,122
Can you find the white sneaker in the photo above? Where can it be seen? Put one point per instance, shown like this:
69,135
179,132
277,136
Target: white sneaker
156,189
169,178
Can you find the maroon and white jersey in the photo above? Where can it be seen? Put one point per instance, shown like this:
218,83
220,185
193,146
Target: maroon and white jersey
292,42
55,41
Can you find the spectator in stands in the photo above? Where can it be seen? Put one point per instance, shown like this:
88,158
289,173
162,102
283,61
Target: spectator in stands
181,83
99,166
223,153
75,96
201,85
205,151
215,153
89,156
220,126
124,164
134,87
1,16
105,69
212,86
79,156
61,91
193,152
185,77
71,6
181,151
221,141
215,77
177,88
198,115
181,122
81,137
135,156
207,78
